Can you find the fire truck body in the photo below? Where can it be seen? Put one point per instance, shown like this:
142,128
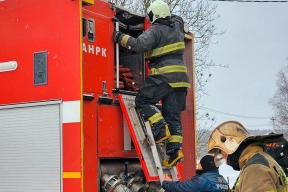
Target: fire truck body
62,128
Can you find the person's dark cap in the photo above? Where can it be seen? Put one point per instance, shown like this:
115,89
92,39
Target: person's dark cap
207,163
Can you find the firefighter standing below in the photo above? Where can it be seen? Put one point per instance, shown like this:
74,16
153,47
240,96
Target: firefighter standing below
163,44
259,171
207,178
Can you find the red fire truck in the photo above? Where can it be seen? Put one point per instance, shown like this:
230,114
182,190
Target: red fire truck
63,123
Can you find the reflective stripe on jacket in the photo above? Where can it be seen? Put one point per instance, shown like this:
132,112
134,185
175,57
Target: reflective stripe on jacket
163,40
175,75
166,49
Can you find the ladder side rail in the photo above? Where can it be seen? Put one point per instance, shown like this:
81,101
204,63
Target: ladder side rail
155,152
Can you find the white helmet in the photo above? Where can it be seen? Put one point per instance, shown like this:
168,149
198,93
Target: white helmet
158,9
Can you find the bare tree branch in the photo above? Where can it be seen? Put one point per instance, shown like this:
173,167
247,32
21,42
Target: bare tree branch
280,99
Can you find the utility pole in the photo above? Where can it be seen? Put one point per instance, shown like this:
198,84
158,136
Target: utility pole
273,120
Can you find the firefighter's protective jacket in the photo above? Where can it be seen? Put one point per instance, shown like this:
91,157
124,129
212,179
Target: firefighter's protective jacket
259,172
207,181
163,44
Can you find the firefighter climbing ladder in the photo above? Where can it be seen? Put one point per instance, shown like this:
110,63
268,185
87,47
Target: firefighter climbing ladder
150,155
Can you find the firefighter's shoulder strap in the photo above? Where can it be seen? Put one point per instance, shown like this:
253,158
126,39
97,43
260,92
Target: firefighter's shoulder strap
150,155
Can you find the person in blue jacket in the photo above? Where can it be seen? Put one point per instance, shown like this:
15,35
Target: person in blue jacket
207,178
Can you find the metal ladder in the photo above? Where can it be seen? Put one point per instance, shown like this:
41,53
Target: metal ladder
151,155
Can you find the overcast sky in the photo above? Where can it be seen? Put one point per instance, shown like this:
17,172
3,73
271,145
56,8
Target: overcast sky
255,46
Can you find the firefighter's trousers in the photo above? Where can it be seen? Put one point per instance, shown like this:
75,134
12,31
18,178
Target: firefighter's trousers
173,103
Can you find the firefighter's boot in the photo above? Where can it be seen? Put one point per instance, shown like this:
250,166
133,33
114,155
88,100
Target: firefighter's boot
174,159
163,135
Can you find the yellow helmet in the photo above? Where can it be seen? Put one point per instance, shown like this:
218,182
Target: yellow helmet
158,9
227,137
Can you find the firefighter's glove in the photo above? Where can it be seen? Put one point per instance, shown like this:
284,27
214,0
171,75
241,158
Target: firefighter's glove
121,38
117,36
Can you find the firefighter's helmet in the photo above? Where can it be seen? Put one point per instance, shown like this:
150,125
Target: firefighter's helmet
227,137
158,9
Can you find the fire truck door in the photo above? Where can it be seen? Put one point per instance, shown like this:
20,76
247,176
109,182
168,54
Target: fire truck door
30,147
